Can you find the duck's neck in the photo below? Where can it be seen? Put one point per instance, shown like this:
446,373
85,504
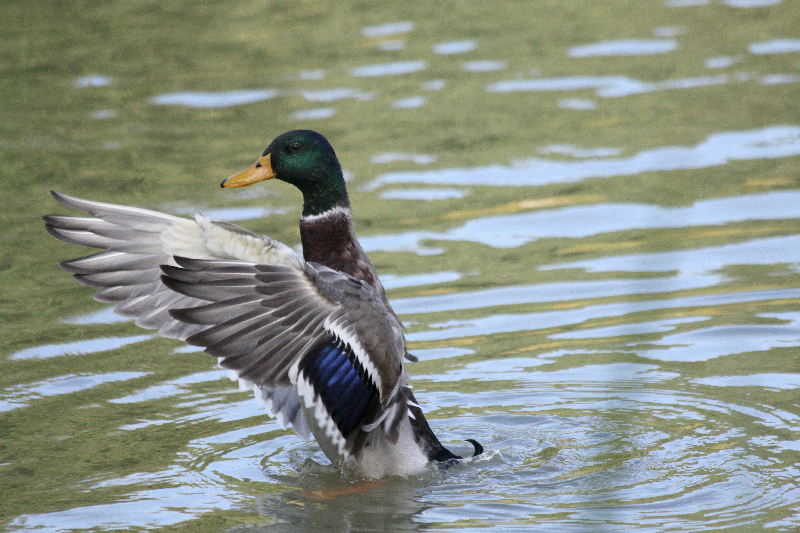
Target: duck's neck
329,239
325,193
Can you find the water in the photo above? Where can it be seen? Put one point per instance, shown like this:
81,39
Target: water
586,213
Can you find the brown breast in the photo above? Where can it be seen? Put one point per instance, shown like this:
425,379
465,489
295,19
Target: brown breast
329,240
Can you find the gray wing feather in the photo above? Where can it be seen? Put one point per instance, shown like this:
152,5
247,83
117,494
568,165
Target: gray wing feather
109,261
286,404
301,306
118,277
135,243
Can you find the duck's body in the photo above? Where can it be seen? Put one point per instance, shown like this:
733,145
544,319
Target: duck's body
314,337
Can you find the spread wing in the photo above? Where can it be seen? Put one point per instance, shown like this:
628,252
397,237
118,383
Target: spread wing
326,333
135,243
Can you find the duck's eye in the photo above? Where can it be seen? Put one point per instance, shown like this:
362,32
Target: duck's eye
294,148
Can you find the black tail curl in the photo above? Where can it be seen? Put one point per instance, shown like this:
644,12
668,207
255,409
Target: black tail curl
478,447
446,458
426,438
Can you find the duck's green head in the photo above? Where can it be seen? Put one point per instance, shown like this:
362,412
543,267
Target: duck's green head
305,159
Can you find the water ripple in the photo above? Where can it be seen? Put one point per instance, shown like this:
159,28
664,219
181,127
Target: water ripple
508,323
717,149
624,47
388,69
390,28
79,347
485,65
614,451
331,95
94,80
212,100
454,47
510,231
613,86
22,394
548,292
766,381
712,342
768,251
775,46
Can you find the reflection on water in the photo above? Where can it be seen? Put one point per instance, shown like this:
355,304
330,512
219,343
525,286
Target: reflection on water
149,509
577,103
21,395
169,388
587,218
515,323
625,47
391,28
486,65
80,347
409,103
221,99
420,159
391,281
106,316
770,251
618,86
233,214
712,342
631,328
95,80
772,382
723,62
775,46
313,114
454,47
432,85
775,79
330,95
510,231
575,151
423,194
718,149
388,69
392,45
550,292
103,114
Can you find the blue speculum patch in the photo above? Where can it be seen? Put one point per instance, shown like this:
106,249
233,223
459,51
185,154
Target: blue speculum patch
342,384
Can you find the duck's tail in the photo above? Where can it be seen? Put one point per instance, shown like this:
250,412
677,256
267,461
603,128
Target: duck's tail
427,440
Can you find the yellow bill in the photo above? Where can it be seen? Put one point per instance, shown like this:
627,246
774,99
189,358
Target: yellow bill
259,171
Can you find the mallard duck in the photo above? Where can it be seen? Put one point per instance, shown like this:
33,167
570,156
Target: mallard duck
315,337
